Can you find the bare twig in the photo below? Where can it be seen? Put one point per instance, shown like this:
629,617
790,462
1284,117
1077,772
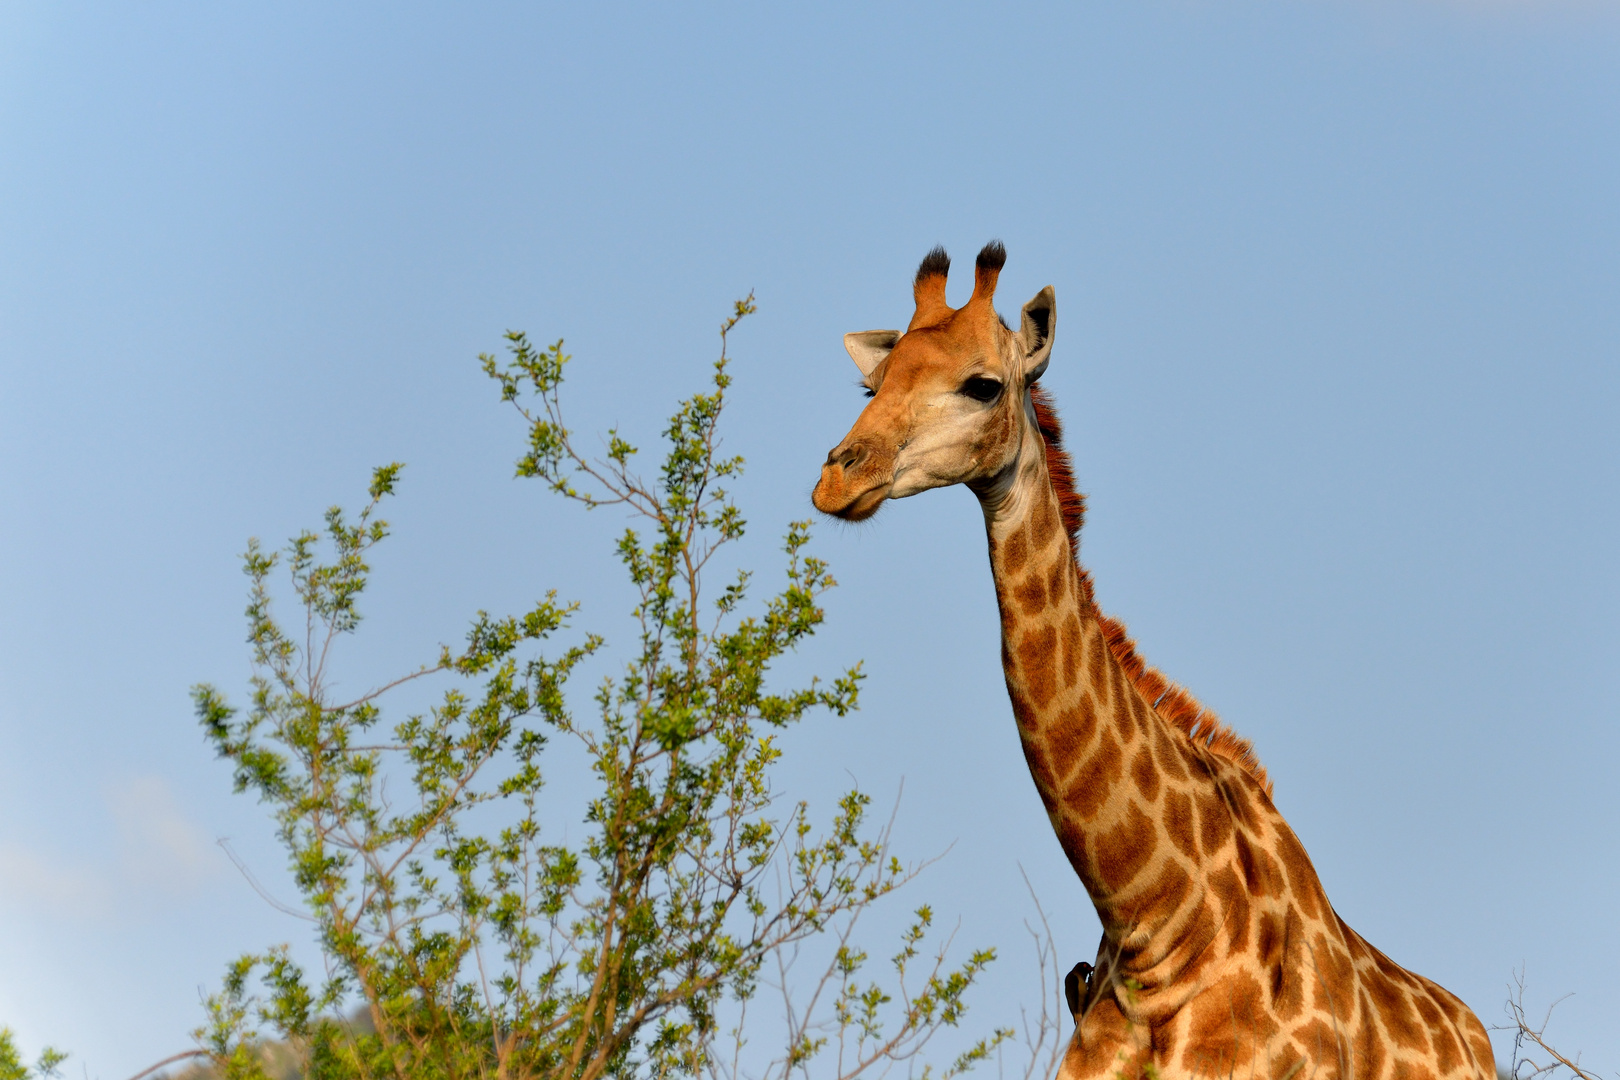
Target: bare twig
1046,1025
1526,1037
264,894
150,1069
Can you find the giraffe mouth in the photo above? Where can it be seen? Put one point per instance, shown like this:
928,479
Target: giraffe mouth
832,496
865,504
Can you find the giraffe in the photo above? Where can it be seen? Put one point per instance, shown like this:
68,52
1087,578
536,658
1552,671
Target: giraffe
1220,953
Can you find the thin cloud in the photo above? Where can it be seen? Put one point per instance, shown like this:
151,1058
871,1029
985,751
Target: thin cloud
157,844
158,855
34,881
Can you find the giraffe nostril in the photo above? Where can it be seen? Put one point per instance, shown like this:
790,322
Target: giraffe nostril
846,457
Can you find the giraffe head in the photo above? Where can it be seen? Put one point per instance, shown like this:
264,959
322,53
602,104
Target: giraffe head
950,395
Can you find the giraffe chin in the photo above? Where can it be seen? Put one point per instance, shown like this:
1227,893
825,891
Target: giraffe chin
859,508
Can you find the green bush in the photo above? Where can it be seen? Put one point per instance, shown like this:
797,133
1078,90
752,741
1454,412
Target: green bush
12,1066
498,952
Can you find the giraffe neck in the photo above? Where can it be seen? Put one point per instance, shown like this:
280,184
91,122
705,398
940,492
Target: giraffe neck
1114,778
1217,935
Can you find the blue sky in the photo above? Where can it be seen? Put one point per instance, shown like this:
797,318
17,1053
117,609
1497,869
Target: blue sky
1339,355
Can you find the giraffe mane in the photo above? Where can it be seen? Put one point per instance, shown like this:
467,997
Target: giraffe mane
1172,702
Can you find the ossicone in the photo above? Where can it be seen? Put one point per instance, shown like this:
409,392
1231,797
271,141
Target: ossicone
986,269
929,289
935,264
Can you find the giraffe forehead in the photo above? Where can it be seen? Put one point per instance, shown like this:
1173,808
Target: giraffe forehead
944,353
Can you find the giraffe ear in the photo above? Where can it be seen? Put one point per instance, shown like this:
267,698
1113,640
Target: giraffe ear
869,348
1035,333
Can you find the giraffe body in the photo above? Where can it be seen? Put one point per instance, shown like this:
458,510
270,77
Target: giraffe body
1221,954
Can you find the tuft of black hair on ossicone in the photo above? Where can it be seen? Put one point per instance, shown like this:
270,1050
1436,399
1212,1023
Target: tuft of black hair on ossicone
993,256
935,264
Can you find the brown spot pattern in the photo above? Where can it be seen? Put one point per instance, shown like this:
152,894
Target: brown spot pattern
1478,1040
1411,1070
1085,723
1116,696
1169,754
1091,785
1228,1024
1214,820
1071,651
1236,797
1166,893
1322,1042
1068,736
1302,880
1287,968
1178,822
1228,889
1197,940
1395,1009
1097,668
1031,594
1448,1053
1444,998
1335,979
1369,1048
1146,775
1260,871
1028,720
1014,554
1034,662
1122,852
1096,1042
1042,524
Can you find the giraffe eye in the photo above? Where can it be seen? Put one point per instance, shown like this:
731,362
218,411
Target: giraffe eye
867,391
982,388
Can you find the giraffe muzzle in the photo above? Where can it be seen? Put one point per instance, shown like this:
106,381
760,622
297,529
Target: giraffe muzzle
848,488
